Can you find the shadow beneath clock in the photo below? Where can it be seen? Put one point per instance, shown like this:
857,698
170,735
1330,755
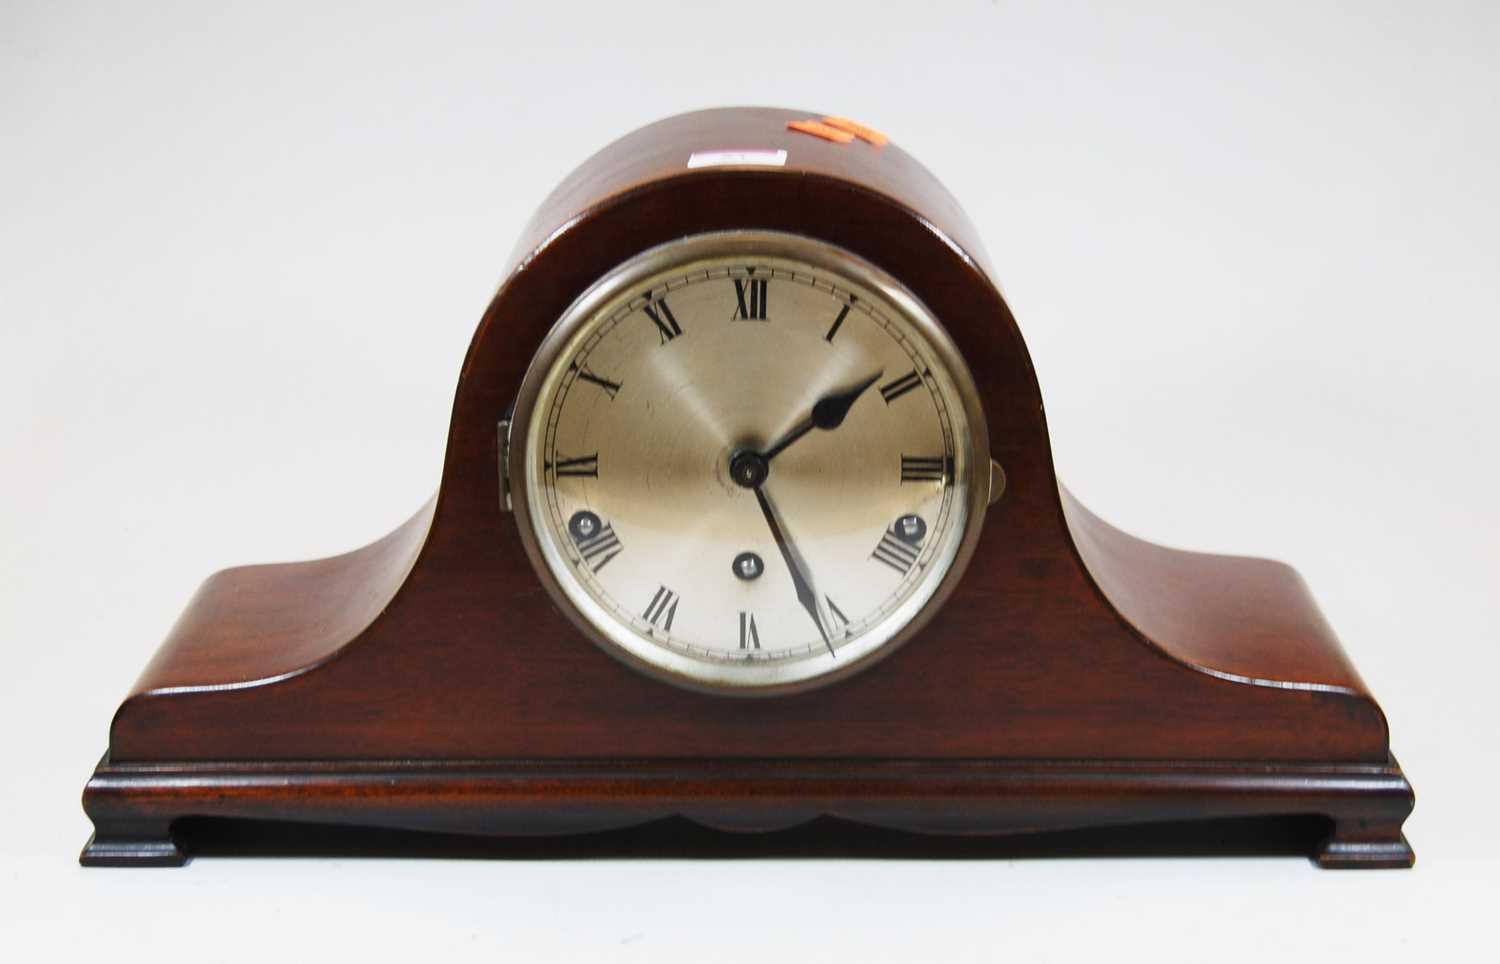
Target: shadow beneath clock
823,838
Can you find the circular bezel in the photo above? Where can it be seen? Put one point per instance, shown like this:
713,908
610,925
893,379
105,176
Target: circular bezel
528,429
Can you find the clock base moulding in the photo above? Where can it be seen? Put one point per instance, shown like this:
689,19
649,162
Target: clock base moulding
1074,677
134,807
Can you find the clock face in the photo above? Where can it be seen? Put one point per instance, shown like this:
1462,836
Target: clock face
749,462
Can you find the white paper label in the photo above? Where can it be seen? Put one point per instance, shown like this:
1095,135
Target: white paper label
737,158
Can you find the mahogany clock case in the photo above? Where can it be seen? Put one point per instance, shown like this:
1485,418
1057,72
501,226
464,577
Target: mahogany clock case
1075,677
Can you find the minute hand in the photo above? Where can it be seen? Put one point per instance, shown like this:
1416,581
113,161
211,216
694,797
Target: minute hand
805,594
827,414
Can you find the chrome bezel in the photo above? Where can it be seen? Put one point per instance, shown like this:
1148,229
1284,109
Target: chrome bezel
546,372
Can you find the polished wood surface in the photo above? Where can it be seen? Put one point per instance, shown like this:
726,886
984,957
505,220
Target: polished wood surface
254,624
1249,620
1065,640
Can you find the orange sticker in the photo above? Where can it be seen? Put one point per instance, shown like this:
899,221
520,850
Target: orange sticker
858,130
819,129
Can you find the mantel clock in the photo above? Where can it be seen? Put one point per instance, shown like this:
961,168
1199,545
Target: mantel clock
748,516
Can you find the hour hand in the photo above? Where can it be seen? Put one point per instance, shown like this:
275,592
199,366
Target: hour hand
827,414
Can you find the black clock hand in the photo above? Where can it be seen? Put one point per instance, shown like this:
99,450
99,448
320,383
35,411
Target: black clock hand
749,469
827,414
805,594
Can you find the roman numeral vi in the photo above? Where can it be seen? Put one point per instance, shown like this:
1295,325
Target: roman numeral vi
836,618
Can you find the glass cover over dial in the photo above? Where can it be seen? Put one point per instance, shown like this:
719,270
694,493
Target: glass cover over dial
749,462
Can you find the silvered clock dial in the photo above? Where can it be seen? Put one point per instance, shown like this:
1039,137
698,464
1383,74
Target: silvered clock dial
748,462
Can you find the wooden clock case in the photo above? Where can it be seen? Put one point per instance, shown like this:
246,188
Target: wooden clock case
1076,677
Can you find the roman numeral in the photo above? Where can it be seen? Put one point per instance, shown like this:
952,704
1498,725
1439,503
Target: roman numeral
900,386
585,466
749,638
664,603
843,313
750,295
661,316
924,468
899,555
610,388
836,618
603,543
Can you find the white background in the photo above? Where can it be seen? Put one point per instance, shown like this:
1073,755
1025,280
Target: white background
1253,249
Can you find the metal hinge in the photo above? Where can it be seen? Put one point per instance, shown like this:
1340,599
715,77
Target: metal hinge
504,448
